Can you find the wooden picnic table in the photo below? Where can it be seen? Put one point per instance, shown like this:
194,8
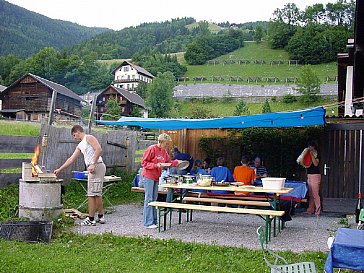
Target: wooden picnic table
233,188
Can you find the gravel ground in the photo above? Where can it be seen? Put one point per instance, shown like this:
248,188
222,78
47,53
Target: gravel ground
303,233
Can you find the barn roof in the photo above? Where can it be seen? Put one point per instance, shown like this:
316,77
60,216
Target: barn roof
2,88
132,97
52,85
140,69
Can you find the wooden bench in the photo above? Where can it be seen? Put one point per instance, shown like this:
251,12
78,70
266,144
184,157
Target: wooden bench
267,215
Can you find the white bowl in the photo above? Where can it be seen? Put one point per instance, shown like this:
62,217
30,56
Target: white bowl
276,183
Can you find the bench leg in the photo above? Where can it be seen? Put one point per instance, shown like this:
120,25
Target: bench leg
187,214
165,218
191,215
170,218
179,216
159,219
267,233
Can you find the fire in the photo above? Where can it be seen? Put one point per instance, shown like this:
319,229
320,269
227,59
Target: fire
35,167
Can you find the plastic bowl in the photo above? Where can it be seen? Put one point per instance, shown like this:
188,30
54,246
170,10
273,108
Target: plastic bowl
80,175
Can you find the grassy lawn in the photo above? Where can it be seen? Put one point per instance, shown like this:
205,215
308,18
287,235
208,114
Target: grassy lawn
253,51
69,252
109,253
16,155
19,128
221,108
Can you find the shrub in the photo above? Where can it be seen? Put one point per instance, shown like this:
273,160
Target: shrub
289,98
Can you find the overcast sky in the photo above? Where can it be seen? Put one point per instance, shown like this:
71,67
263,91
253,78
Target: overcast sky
118,14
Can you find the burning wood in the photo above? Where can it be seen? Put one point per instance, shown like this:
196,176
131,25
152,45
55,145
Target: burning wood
36,169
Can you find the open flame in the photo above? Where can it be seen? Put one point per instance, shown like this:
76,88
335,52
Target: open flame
36,169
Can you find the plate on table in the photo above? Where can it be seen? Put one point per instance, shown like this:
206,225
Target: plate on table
237,183
247,187
183,165
221,184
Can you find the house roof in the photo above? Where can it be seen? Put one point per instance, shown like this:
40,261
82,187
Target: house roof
52,85
11,110
140,69
2,88
132,97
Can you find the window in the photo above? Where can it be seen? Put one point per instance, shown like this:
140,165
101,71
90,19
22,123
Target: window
126,68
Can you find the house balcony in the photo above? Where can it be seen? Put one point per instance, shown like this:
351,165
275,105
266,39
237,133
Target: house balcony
125,81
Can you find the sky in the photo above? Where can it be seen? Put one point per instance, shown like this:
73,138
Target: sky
118,14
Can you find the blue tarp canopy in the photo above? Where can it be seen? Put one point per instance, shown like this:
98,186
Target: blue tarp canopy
308,117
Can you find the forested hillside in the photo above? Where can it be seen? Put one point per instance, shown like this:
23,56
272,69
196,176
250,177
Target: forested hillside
23,32
166,37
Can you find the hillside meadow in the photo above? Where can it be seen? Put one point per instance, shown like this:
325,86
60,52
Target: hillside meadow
253,51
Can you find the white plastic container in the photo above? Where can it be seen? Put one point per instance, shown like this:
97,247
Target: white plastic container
276,183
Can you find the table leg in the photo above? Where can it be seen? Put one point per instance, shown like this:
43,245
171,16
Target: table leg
275,218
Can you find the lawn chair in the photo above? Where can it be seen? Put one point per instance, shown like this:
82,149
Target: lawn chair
361,220
280,264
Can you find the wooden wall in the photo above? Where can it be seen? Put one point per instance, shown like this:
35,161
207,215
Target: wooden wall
187,140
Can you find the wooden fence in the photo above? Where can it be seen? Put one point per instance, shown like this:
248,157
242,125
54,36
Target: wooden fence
187,140
14,144
119,150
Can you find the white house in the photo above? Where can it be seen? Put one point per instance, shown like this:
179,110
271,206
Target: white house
128,75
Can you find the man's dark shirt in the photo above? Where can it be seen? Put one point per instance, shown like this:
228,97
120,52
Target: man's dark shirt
187,157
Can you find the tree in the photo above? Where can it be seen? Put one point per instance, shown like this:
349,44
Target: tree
141,90
258,35
266,107
283,25
113,110
241,109
308,85
159,94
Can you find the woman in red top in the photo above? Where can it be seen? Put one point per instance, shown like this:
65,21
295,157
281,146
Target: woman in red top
153,162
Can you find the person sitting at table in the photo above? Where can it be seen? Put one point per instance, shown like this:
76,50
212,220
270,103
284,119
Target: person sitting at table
221,173
244,173
206,165
198,168
177,155
260,170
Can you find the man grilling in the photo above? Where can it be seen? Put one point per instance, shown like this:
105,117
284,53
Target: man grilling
91,150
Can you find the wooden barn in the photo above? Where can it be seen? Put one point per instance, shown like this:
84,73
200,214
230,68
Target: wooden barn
125,98
30,97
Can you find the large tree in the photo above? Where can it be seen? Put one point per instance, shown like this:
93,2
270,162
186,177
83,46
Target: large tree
308,85
160,93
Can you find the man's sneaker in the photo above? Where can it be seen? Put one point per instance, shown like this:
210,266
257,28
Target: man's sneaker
88,222
101,220
152,226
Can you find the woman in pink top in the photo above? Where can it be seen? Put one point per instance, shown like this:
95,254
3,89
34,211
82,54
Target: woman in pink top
152,162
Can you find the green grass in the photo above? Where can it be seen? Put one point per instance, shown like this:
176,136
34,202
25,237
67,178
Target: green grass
253,51
220,108
19,128
109,253
212,27
16,155
69,252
